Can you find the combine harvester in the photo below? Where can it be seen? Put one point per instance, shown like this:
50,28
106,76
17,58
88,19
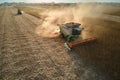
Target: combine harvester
71,32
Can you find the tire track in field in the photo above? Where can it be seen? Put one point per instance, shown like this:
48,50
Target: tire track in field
60,61
33,37
2,36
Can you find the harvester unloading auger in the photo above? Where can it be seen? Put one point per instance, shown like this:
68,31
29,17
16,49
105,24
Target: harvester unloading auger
71,32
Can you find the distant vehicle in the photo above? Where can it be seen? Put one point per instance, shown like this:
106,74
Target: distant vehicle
71,33
19,12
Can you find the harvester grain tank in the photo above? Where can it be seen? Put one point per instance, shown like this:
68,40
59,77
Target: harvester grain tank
71,32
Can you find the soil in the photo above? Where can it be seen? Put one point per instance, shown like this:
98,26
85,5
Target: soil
28,56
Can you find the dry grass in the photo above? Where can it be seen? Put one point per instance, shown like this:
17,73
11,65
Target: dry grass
104,54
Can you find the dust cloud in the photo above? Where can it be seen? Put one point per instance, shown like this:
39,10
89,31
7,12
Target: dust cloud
61,15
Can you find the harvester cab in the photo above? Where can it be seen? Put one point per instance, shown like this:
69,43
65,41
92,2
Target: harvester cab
71,32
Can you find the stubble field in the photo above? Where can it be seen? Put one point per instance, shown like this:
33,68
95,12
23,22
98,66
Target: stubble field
31,48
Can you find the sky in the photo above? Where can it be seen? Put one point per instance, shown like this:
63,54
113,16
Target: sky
57,1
